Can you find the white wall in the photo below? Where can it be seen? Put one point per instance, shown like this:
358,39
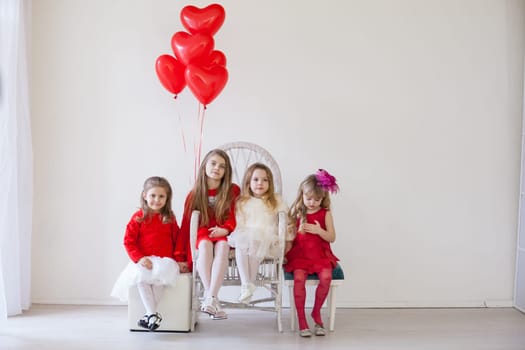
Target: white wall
414,105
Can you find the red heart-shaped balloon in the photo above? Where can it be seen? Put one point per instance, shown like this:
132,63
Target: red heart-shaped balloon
207,20
191,48
170,73
215,58
206,83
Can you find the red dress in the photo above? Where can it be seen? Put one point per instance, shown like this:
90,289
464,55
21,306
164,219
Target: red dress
182,246
154,239
150,237
309,251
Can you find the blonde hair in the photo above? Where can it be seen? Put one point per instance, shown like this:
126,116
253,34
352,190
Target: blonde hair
269,198
166,213
308,186
200,190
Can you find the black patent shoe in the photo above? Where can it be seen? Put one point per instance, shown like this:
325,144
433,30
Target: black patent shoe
154,321
143,322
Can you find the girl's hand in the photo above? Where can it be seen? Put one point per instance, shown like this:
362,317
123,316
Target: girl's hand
217,232
146,262
312,228
183,267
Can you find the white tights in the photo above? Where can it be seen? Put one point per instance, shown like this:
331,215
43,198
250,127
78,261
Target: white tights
150,295
212,264
247,265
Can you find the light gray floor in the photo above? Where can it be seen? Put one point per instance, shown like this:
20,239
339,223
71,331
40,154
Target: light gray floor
104,327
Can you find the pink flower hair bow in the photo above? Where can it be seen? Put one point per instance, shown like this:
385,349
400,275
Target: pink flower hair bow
326,181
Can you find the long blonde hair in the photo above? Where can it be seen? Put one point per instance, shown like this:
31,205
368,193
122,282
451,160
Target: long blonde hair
224,196
269,199
308,186
166,213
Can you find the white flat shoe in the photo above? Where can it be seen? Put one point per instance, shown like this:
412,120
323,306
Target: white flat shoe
319,330
305,333
246,293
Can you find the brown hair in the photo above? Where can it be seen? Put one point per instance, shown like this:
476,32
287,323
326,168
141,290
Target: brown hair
166,213
298,210
246,192
224,196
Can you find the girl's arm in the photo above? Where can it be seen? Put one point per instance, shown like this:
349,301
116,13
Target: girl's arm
230,223
182,249
131,238
330,228
291,233
328,234
183,265
287,246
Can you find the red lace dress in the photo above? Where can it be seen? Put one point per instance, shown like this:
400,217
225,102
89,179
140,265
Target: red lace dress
309,251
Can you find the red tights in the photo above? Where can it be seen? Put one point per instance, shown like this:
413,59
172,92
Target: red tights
299,292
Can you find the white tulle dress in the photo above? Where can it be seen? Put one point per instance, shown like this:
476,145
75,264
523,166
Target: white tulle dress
164,272
256,232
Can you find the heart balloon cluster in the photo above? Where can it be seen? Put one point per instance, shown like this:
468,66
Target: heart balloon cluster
195,63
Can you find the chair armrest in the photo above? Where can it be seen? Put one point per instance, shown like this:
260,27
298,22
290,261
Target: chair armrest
194,226
282,227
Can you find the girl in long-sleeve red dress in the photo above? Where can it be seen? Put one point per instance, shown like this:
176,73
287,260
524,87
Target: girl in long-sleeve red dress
214,196
149,241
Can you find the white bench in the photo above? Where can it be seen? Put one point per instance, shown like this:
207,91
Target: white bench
174,307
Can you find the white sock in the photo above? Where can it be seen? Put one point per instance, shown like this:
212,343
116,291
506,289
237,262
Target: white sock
219,266
148,299
158,291
243,266
204,263
254,267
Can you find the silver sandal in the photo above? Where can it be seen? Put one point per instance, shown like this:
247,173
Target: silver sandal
208,306
219,315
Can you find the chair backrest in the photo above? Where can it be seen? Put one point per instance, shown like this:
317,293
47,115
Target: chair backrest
243,154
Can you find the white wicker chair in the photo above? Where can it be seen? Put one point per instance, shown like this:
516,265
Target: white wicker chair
242,155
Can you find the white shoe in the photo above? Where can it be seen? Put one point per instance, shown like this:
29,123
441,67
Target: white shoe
305,333
246,293
319,330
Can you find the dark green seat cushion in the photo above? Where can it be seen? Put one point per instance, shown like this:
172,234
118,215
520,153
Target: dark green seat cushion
337,274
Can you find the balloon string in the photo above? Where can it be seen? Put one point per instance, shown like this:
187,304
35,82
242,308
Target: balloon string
201,135
183,137
195,147
194,169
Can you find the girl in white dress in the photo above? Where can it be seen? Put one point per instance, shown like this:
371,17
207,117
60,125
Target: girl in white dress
256,234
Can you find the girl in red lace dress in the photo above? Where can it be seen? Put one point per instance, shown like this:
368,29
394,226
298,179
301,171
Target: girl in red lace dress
311,222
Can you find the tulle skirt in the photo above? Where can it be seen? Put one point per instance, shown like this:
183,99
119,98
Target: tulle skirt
163,272
256,242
